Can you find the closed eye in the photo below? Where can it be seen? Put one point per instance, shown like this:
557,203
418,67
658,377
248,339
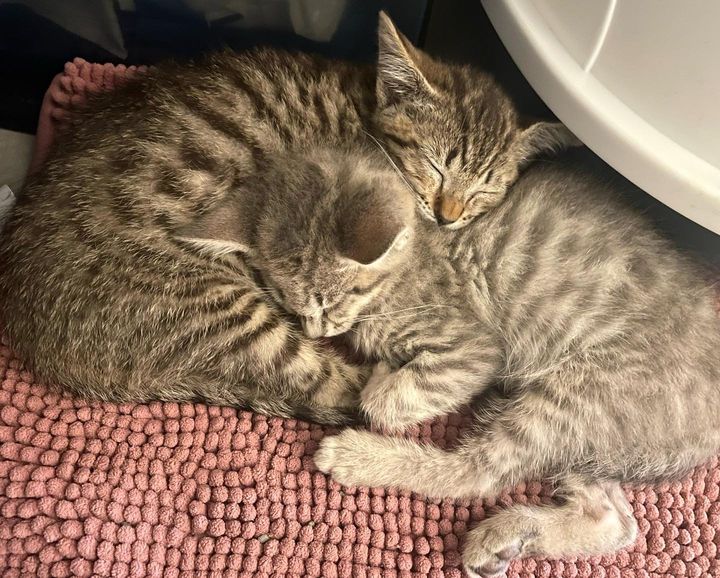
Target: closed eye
358,290
487,191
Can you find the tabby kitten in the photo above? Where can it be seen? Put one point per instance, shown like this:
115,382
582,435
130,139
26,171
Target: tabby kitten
592,344
110,285
452,132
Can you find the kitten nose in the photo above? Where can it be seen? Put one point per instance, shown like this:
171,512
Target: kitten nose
448,210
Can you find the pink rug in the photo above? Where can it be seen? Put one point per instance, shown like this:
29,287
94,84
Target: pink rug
172,490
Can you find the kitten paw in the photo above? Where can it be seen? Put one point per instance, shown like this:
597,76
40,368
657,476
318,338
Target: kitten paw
337,457
490,548
346,457
324,457
390,402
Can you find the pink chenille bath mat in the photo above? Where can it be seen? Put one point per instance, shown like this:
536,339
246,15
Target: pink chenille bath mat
89,489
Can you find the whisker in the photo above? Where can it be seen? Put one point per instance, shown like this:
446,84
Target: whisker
408,312
423,306
380,317
392,162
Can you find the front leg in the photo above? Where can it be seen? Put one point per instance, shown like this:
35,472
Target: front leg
434,382
364,458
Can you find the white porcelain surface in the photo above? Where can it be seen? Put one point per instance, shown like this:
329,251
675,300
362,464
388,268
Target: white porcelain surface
637,80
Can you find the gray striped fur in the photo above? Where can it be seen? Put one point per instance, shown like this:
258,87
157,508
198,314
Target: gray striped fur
452,132
123,276
588,344
104,289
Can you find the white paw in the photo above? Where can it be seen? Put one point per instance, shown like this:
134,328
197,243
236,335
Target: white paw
324,457
343,456
491,547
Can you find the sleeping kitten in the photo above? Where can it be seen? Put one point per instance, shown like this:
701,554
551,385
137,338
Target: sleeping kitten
452,132
592,344
109,283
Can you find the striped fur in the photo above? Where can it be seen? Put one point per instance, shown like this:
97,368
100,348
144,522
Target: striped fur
106,288
123,276
589,344
453,133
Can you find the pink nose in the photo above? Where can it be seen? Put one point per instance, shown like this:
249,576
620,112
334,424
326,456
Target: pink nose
448,210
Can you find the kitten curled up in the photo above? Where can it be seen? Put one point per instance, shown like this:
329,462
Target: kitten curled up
590,343
112,285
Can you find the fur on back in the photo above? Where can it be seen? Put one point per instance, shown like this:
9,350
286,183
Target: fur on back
107,292
590,341
129,245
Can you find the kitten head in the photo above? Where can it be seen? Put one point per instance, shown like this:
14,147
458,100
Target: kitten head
451,130
332,235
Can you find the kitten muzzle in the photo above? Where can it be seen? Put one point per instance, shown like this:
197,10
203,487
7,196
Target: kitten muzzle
448,210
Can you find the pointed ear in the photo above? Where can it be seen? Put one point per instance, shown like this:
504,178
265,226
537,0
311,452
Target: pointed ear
376,252
398,74
369,237
216,232
542,137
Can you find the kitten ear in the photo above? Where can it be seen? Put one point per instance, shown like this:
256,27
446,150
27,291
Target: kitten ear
370,244
216,232
542,137
398,73
397,243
